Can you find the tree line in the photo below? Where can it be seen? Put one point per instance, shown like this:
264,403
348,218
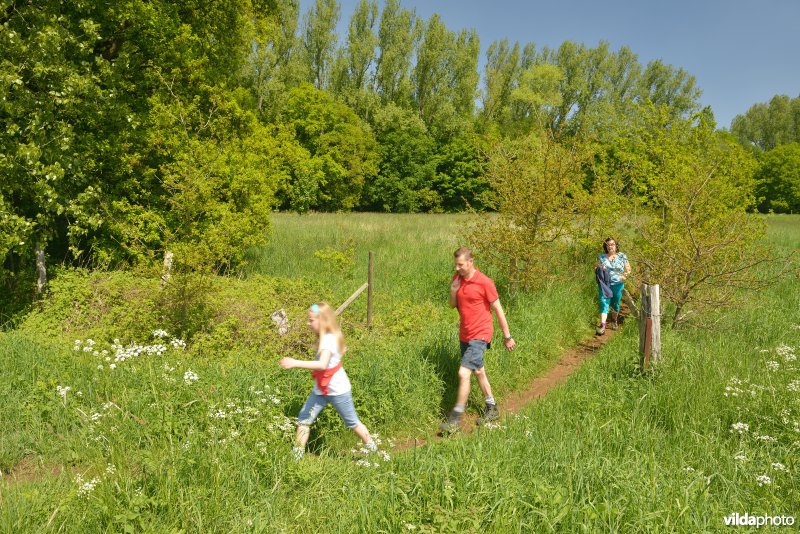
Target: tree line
143,126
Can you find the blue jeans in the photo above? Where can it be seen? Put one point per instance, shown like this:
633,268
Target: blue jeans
613,302
472,353
343,404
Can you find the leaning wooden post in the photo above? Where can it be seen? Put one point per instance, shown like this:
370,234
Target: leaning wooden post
369,291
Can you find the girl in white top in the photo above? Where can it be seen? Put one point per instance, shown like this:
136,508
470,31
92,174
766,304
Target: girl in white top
331,385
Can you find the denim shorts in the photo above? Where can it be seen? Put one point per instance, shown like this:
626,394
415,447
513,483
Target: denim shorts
472,353
343,404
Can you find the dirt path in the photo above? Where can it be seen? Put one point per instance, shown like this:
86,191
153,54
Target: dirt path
568,363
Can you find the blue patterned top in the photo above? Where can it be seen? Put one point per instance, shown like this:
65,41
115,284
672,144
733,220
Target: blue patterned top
615,268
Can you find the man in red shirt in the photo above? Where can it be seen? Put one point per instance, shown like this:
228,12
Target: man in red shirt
475,296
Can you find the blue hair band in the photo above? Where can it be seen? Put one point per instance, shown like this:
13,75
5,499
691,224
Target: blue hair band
314,308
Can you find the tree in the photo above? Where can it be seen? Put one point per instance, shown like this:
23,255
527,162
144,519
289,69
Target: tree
502,65
407,163
80,175
355,63
319,41
778,179
766,126
274,64
397,37
694,187
342,151
539,195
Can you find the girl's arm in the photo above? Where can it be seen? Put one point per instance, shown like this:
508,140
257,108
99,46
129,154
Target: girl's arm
313,365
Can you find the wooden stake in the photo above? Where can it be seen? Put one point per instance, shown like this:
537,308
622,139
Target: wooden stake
369,291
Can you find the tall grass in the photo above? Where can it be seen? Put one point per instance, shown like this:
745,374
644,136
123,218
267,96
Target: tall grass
609,451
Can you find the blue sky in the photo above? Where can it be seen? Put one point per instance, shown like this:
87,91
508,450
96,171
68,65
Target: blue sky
741,51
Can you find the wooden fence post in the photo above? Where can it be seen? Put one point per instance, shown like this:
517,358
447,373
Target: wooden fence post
649,327
369,292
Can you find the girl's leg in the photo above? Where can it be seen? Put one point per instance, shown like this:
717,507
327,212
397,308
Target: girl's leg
308,414
347,411
303,431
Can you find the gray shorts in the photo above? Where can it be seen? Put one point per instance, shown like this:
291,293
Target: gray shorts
472,353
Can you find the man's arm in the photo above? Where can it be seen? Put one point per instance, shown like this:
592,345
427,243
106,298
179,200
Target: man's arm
452,300
508,341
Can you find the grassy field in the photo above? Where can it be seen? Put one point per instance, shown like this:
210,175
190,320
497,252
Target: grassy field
182,439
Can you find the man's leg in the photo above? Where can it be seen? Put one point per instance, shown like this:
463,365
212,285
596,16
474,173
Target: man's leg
464,375
483,382
491,413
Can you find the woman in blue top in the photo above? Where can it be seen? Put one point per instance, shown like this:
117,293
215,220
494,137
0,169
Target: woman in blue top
616,264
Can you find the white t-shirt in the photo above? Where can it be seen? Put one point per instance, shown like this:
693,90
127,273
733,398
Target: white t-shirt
339,382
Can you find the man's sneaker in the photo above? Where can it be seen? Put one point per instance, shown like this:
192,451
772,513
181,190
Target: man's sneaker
297,453
452,423
614,325
490,415
600,330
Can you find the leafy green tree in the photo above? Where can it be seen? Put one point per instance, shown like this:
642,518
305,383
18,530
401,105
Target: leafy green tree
274,64
342,151
767,125
398,35
694,188
319,41
539,195
460,180
778,179
82,170
407,163
221,171
501,73
353,74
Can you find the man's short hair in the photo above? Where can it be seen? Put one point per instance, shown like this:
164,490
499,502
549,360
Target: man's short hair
463,252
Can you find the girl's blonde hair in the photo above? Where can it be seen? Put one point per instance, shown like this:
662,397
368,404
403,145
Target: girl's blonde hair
328,323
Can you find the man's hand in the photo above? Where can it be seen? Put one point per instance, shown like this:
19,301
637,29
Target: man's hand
510,344
455,285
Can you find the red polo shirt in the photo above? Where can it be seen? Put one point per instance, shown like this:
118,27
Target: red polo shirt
474,299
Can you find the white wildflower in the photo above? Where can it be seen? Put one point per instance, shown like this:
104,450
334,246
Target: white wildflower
111,469
63,391
160,333
777,466
768,439
688,469
112,366
741,428
772,365
763,480
794,385
85,488
740,457
190,376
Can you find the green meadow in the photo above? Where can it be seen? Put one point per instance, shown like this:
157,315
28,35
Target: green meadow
126,412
